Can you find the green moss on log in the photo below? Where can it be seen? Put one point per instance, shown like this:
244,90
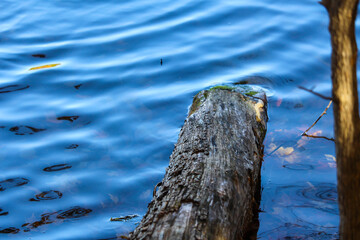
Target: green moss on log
223,87
198,99
251,93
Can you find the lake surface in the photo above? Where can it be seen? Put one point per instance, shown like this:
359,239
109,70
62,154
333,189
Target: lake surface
89,115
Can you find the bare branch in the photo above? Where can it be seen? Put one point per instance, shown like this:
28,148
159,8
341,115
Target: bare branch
324,112
314,136
315,93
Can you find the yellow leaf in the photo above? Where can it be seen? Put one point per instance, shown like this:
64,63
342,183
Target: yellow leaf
45,66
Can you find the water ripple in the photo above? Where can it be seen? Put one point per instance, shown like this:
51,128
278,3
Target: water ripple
111,111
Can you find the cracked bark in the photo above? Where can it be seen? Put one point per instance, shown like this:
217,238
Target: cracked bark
211,188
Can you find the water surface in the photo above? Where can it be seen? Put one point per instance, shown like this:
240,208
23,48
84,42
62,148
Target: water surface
94,94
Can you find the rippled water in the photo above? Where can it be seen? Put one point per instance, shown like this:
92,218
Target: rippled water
94,94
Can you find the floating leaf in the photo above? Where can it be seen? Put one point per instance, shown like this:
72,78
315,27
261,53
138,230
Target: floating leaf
45,66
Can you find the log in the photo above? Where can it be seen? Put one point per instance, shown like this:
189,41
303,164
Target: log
211,189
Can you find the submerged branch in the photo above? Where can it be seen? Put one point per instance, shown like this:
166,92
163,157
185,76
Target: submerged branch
324,112
314,136
315,93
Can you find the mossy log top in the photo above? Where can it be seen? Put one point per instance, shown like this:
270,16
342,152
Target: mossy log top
211,187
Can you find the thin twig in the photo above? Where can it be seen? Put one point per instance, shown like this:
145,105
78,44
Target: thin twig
324,112
313,136
315,93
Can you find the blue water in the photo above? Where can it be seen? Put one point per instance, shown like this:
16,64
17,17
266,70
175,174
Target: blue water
87,139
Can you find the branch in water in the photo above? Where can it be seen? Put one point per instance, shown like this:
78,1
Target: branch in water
324,112
313,136
315,93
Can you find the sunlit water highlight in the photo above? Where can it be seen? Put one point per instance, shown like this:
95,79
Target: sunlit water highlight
89,115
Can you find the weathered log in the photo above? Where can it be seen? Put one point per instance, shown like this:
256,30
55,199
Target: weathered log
211,188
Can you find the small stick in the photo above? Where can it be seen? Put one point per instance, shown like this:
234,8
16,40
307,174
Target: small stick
313,136
324,112
315,93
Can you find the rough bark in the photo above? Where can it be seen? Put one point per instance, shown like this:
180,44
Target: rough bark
342,15
211,188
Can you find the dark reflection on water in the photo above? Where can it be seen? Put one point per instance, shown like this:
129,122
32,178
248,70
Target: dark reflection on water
296,232
322,192
321,196
298,166
13,88
11,230
3,213
39,55
25,130
47,218
57,167
74,212
68,118
72,146
12,182
47,195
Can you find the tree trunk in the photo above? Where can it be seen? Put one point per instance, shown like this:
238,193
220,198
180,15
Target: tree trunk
342,15
211,188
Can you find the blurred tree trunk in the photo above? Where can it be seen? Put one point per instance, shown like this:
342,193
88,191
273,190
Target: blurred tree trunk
342,15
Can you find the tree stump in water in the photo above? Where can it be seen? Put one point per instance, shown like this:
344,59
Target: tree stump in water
211,188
